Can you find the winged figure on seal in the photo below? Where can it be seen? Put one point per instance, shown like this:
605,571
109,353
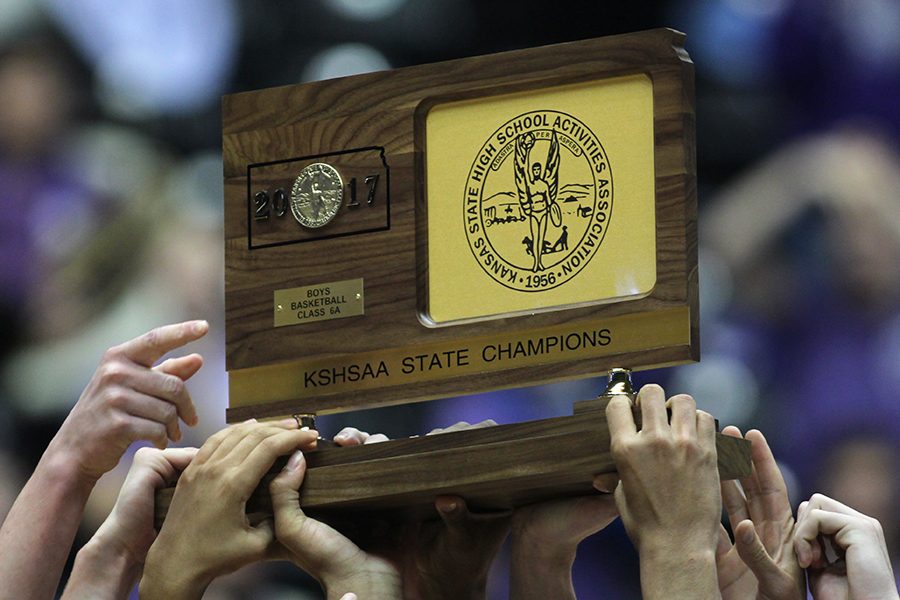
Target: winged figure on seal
537,186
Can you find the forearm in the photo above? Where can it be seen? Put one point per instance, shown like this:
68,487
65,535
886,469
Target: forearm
677,573
538,576
38,532
102,572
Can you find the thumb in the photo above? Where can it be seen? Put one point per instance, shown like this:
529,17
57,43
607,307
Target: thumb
468,529
456,515
754,554
285,489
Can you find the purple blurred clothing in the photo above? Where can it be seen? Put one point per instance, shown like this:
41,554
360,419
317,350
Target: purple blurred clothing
31,198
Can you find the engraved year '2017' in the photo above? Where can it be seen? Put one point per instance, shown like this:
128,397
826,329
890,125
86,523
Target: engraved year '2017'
276,203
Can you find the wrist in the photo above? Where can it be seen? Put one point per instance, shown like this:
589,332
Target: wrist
100,570
62,465
167,577
676,571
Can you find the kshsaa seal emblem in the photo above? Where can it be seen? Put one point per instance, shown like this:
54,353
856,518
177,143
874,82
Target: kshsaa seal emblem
316,195
538,200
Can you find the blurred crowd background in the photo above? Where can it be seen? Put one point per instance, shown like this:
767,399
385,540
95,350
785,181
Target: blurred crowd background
111,216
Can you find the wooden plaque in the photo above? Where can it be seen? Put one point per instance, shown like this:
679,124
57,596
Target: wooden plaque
384,245
452,228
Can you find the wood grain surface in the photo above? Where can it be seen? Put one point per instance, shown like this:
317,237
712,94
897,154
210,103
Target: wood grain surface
493,468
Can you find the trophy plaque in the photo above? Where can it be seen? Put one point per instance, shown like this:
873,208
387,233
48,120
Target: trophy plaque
446,229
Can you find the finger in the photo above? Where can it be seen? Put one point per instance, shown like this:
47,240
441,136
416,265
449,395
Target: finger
211,445
824,502
351,436
153,409
183,367
723,545
753,553
463,527
732,431
735,503
260,436
455,427
455,512
606,482
165,387
619,418
261,538
284,490
706,428
652,401
238,433
767,496
684,415
349,596
165,464
138,428
376,438
260,460
146,349
179,458
806,534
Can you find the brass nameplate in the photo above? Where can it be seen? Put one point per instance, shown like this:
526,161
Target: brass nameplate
332,300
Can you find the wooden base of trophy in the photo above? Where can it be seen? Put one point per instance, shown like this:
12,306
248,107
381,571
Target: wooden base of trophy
492,468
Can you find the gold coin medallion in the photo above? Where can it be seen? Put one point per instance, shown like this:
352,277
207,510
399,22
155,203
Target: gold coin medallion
317,195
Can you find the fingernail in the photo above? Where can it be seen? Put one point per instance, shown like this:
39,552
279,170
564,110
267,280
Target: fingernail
295,461
448,508
250,421
341,436
200,326
289,422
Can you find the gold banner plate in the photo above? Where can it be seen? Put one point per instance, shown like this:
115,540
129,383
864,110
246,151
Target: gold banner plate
300,379
321,302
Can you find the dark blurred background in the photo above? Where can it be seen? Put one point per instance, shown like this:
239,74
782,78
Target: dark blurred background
111,216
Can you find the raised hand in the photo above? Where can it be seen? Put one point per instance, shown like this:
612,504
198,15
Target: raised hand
127,399
668,495
339,565
108,566
860,568
207,532
761,563
548,533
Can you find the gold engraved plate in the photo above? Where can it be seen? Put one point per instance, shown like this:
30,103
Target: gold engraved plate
315,377
321,302
545,200
317,195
